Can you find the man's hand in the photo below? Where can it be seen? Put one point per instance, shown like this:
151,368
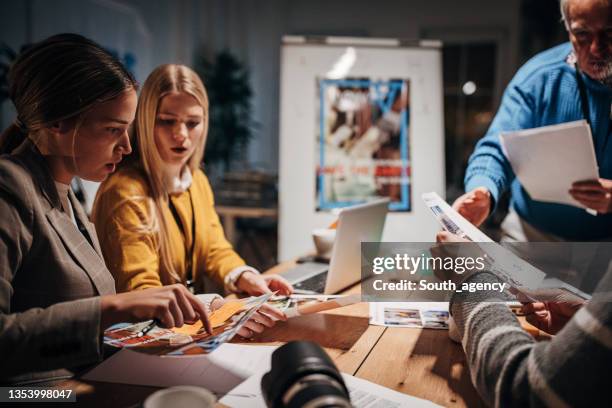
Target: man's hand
475,205
594,194
556,308
255,284
549,316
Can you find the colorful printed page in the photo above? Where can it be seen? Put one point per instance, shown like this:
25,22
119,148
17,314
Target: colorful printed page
189,339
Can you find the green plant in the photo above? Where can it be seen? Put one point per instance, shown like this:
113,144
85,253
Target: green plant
231,125
7,56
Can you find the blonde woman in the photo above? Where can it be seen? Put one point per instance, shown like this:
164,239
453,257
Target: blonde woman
155,217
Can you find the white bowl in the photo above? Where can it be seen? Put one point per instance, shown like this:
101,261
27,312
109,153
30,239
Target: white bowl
183,396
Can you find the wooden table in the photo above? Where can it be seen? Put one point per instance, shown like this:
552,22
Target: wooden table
424,363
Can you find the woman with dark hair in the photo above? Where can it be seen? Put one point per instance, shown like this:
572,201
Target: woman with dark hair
74,102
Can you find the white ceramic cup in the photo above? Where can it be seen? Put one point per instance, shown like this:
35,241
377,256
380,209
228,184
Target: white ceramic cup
324,241
183,396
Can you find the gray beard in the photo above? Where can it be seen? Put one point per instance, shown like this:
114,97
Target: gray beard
605,74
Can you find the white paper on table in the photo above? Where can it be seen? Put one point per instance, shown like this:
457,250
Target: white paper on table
503,262
548,159
219,371
364,394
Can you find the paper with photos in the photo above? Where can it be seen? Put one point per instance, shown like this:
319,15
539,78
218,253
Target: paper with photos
298,305
502,262
189,339
428,315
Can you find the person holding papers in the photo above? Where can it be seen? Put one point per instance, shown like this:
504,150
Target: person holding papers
155,217
74,102
570,82
509,368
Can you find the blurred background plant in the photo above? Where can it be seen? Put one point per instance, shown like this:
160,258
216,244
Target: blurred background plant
231,126
7,56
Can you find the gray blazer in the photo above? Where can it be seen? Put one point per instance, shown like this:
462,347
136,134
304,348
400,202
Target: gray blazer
51,275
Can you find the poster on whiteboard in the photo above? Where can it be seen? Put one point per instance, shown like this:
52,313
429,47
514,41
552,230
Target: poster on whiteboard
362,142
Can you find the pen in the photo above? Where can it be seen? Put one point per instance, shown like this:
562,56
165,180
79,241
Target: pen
147,329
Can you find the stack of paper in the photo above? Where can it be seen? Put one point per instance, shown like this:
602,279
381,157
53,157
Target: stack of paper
219,371
364,394
231,370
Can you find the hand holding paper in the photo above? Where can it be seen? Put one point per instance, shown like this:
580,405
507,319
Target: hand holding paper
594,194
474,205
565,151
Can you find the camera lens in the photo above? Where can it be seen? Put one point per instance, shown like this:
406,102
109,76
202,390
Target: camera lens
303,375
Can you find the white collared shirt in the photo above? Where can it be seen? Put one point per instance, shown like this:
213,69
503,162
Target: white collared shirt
178,184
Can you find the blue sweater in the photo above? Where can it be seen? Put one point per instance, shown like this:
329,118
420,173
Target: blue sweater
545,92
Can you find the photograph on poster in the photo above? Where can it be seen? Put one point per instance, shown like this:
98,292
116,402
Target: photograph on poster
363,149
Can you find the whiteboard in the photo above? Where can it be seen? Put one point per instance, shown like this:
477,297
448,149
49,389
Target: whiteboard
303,65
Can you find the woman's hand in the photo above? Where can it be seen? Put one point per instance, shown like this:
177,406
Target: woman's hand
265,317
255,284
171,306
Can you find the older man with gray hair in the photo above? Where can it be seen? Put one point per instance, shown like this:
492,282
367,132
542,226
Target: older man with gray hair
508,367
569,82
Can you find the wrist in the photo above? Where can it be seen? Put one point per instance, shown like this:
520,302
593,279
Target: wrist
241,280
216,303
108,311
231,279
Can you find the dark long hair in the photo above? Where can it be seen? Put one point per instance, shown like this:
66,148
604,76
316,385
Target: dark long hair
59,79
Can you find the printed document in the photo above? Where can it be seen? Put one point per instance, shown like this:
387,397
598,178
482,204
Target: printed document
363,393
506,265
548,160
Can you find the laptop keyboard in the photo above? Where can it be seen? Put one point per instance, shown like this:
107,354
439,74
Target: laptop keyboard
315,283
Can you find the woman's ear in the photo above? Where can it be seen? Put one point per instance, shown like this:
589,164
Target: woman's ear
55,139
62,127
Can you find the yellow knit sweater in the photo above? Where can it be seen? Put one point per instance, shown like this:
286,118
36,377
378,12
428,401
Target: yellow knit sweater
122,207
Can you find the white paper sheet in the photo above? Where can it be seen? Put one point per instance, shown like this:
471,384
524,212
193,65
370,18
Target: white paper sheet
364,394
219,371
547,160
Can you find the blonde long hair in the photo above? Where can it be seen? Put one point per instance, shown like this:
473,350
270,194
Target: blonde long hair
163,80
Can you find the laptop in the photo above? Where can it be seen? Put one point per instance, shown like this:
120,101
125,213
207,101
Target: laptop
356,224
